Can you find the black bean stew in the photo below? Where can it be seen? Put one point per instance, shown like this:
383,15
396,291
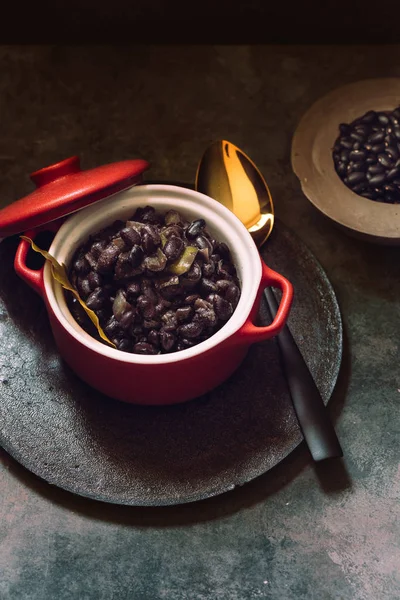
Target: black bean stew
367,155
157,282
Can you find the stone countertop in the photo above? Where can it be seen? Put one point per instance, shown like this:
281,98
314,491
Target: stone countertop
300,531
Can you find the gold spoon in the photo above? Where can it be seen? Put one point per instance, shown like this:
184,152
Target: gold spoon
226,174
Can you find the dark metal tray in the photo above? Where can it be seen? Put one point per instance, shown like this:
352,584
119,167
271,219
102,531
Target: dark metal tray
79,440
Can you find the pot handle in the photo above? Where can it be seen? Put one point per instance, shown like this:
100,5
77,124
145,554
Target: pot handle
249,332
34,278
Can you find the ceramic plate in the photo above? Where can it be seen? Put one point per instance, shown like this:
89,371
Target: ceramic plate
79,440
313,163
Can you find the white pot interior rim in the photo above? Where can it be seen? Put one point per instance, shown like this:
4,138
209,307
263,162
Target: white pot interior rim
223,224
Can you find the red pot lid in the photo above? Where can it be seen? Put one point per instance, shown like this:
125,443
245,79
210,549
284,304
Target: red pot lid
64,188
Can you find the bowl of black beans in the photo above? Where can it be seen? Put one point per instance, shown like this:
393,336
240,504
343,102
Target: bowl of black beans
175,280
346,154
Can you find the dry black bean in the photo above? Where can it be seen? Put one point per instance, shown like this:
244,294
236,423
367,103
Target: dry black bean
358,137
376,138
383,119
356,177
346,143
385,161
357,155
344,155
359,187
392,174
378,179
369,117
370,160
376,168
345,129
393,152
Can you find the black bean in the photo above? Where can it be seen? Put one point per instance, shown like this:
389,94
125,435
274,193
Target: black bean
392,152
144,348
369,195
130,236
112,327
95,300
358,137
83,286
346,143
223,308
167,340
383,118
206,316
396,182
376,138
152,324
396,133
370,160
184,313
378,148
378,179
359,166
392,174
208,286
191,299
375,169
203,242
357,155
136,255
108,258
97,248
92,260
81,266
369,117
147,243
195,228
344,156
208,269
359,187
170,321
344,128
191,330
173,248
127,319
356,177
94,279
146,307
385,161
124,344
362,128
153,338
194,274
171,288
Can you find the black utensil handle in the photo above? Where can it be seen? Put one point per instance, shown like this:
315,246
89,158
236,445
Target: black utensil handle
311,412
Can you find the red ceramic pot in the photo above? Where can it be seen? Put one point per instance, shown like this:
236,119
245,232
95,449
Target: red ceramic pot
167,378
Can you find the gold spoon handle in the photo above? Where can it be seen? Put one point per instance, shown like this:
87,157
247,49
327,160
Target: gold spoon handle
311,412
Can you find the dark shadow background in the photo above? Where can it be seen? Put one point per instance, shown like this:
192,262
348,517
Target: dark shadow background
223,21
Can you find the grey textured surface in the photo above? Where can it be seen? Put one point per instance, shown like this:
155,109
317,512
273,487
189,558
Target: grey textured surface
73,437
299,532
